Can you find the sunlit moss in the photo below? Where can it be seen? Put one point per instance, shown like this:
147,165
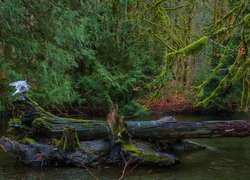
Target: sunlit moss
28,140
148,156
192,48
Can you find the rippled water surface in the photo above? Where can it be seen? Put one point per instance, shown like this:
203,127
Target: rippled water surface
226,159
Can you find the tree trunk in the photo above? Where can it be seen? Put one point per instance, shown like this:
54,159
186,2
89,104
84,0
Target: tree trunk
45,123
154,130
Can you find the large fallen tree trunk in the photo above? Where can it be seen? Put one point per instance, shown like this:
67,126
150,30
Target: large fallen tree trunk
154,130
45,123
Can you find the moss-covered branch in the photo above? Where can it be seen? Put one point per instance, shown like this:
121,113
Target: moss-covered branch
192,48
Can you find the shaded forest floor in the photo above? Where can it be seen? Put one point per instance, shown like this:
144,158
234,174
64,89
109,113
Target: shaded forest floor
172,104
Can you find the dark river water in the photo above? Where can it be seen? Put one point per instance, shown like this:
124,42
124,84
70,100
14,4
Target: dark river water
225,159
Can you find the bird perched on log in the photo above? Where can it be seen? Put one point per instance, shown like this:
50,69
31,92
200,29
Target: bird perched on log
21,87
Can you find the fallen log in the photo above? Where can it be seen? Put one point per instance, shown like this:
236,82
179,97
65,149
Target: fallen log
45,123
154,130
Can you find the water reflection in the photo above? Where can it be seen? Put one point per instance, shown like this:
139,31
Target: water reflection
226,159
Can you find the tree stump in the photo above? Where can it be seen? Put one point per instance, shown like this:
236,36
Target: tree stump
69,141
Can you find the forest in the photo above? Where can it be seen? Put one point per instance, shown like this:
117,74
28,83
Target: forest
90,54
90,73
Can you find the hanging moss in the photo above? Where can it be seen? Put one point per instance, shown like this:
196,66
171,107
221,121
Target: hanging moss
69,141
192,48
246,21
245,95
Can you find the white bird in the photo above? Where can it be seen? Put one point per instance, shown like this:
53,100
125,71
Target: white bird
21,87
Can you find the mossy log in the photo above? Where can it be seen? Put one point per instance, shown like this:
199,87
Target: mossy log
92,152
121,142
36,154
166,128
154,130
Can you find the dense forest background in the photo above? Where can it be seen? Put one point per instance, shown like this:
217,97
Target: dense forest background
92,53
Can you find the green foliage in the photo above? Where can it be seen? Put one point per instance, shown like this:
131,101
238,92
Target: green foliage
78,52
96,53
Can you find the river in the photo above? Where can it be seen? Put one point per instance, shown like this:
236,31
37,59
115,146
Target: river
225,159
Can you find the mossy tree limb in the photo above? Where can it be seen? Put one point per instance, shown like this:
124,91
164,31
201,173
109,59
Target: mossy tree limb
192,48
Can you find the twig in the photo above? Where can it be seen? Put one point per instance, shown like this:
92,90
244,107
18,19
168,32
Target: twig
220,45
127,163
133,168
124,168
92,174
